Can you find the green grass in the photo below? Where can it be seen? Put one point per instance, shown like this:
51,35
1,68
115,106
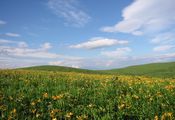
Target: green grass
162,70
44,95
59,69
55,92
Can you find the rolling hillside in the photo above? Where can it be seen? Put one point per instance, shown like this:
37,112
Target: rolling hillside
153,70
59,68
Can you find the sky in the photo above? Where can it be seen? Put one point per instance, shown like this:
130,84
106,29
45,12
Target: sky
90,34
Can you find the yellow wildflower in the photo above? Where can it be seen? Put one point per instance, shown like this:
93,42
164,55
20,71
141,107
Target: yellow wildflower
33,103
57,97
37,115
68,115
39,100
135,96
156,118
169,87
45,95
14,110
53,112
121,106
33,110
82,117
167,115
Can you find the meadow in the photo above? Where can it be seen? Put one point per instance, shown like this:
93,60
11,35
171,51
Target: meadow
44,95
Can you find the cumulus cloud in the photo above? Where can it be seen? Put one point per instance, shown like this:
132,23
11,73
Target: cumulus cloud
119,53
70,11
145,15
163,48
99,42
19,54
22,50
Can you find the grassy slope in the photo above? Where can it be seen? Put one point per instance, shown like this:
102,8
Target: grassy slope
59,68
154,70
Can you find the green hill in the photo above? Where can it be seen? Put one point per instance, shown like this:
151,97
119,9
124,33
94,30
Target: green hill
153,69
59,68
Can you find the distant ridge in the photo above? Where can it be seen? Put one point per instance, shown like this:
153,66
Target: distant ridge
163,70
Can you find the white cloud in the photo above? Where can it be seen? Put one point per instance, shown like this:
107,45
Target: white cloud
116,62
69,61
99,42
2,22
70,11
164,42
19,54
46,46
145,15
23,51
56,63
119,53
12,62
12,34
163,48
137,33
22,56
127,26
154,58
65,63
164,38
4,41
22,45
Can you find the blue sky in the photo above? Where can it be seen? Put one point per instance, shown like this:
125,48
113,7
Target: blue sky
92,34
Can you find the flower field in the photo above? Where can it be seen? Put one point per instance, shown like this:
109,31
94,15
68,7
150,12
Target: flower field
51,95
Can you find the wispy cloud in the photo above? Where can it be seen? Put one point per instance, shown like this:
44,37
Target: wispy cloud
99,42
23,51
12,34
74,64
164,42
163,48
46,46
4,41
70,11
145,16
114,62
164,38
119,53
2,22
22,44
